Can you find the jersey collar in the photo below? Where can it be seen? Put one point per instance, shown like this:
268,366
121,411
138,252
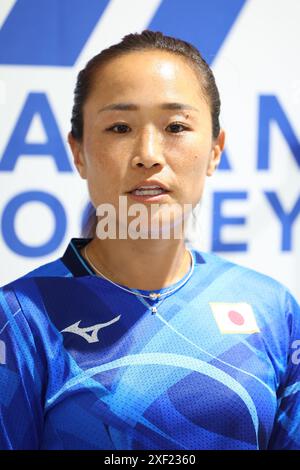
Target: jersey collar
78,266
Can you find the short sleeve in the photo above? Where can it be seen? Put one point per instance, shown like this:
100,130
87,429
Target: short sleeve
286,429
21,378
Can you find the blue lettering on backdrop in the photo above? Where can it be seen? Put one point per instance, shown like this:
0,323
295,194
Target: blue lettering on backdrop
8,223
271,110
36,103
219,221
286,218
224,164
40,43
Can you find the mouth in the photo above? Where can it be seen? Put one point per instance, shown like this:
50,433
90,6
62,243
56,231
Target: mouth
149,193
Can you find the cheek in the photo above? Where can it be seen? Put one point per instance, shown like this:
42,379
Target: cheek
193,165
105,174
101,160
193,173
199,169
199,163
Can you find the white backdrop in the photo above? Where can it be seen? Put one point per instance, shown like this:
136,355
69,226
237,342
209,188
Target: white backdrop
250,210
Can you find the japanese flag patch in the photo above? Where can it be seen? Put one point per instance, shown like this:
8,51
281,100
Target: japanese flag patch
236,317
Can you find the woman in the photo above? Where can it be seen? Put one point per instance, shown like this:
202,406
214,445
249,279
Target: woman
142,342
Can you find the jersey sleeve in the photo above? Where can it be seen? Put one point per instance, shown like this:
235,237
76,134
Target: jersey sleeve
21,378
286,429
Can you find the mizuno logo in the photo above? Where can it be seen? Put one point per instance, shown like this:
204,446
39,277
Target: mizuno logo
90,333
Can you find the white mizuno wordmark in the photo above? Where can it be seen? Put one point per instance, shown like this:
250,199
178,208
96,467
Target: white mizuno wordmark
90,333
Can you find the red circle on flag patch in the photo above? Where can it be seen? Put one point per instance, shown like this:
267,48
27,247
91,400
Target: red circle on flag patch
236,317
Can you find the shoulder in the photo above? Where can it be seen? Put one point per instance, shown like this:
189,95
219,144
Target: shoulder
21,301
54,268
245,277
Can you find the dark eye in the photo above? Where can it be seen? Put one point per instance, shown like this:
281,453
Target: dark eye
122,128
176,127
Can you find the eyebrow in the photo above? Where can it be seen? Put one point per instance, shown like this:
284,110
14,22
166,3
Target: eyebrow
134,107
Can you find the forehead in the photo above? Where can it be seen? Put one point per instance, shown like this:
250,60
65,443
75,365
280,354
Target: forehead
147,73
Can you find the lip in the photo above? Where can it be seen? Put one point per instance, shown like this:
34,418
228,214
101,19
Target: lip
149,183
157,198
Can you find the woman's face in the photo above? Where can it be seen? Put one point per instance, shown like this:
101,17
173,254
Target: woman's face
147,136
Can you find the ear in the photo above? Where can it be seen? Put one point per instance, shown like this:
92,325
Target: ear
216,152
78,156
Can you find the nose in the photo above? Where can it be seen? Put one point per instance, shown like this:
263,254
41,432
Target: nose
148,149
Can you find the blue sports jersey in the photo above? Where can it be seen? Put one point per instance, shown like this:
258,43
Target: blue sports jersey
86,365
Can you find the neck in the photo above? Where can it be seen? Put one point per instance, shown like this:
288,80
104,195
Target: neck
140,264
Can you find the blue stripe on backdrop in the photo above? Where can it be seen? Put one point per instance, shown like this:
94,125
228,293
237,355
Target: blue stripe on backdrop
61,29
203,23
